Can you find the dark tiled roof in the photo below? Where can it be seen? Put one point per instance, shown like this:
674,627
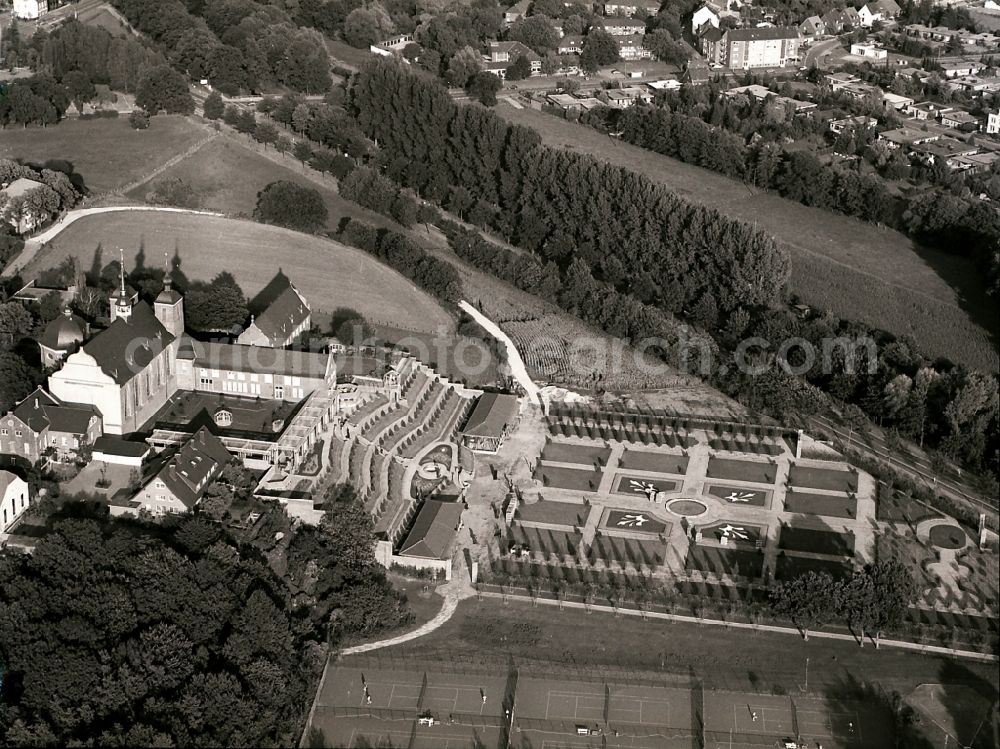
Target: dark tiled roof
258,359
433,530
711,33
118,446
493,411
63,332
127,346
42,410
768,32
192,468
283,315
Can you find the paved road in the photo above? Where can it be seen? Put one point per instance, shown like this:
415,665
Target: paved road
514,360
818,50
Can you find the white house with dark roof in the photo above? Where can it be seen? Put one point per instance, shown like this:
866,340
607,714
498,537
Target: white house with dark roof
22,222
637,8
178,481
284,320
624,26
880,10
43,422
14,499
742,49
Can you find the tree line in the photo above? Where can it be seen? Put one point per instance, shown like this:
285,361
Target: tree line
802,177
238,46
561,205
598,248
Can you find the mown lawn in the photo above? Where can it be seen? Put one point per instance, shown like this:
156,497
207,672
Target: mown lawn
330,275
855,270
107,153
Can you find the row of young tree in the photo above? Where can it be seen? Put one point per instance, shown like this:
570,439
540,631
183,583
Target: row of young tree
561,205
802,177
486,171
238,46
127,633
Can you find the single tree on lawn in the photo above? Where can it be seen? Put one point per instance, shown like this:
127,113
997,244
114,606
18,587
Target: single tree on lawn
807,600
483,86
520,69
302,151
265,133
213,108
882,594
599,49
246,123
164,89
139,120
288,204
216,306
231,116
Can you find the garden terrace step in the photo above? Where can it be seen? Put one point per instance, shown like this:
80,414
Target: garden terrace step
366,409
441,426
419,417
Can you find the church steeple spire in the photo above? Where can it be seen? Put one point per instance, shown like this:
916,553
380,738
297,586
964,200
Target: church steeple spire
124,298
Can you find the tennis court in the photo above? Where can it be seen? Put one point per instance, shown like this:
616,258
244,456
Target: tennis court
597,703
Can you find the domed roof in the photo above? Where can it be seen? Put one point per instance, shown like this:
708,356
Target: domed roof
64,332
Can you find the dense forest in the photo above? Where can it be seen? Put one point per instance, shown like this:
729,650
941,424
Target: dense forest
127,633
634,259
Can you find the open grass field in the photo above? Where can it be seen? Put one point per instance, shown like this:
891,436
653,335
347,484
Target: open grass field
226,176
723,658
329,274
853,269
788,567
106,153
718,561
646,460
559,477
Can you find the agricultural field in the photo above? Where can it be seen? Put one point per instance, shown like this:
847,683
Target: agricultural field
329,274
107,153
101,16
936,299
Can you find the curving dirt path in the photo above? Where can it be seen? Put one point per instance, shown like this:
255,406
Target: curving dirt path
514,359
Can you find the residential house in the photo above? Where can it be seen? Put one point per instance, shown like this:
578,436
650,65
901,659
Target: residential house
906,137
837,81
665,84
836,21
943,151
858,122
742,49
30,10
932,33
706,14
501,55
880,10
974,84
493,418
570,44
25,220
14,499
637,8
516,12
896,101
631,48
624,26
61,337
42,422
179,481
284,320
623,98
976,163
869,51
993,123
814,26
960,120
961,68
926,110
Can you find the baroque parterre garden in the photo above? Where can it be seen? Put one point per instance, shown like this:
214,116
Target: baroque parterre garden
721,510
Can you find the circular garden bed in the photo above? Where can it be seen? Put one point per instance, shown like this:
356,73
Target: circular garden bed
947,536
689,508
